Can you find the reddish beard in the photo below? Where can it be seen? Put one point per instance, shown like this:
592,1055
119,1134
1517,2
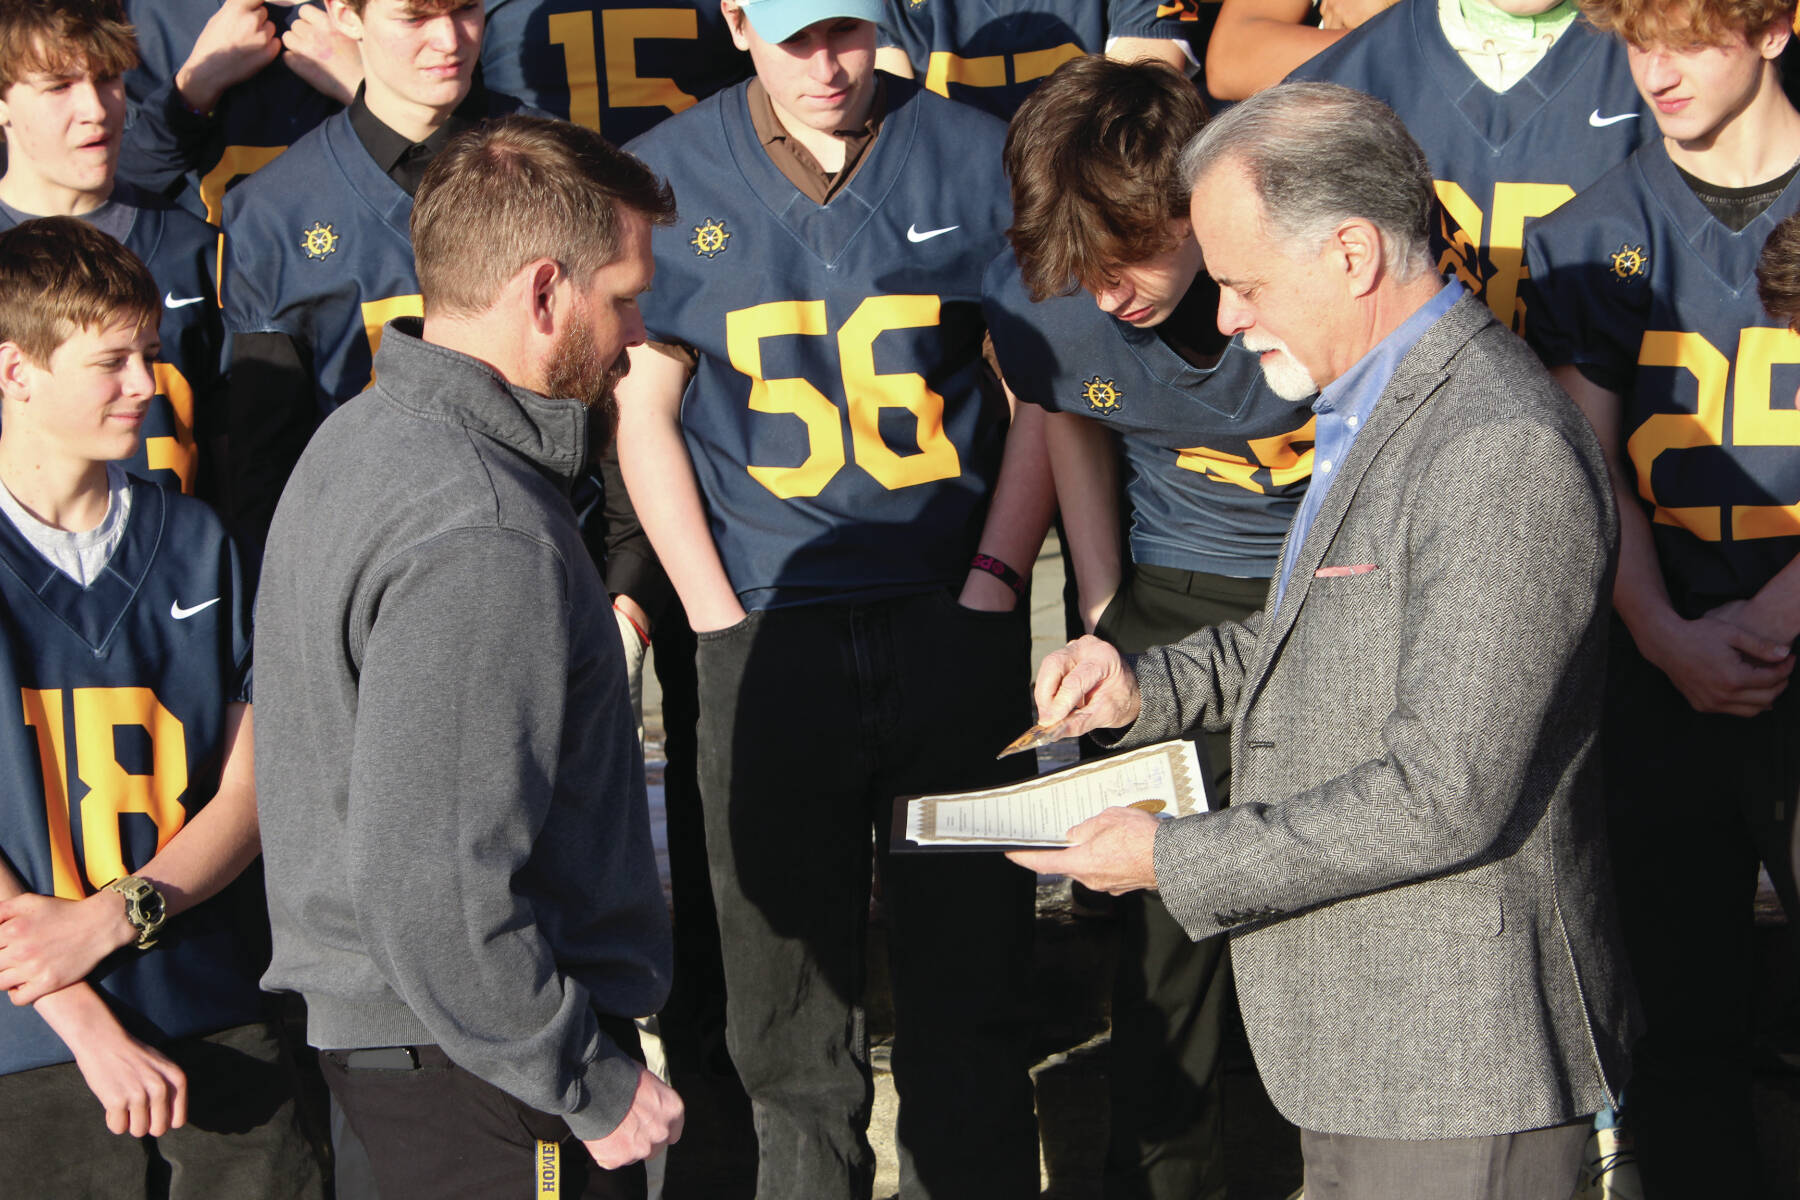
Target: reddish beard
575,371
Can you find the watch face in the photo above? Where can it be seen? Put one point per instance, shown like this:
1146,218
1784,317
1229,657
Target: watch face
145,907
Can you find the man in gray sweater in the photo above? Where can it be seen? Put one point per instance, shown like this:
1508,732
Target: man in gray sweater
460,876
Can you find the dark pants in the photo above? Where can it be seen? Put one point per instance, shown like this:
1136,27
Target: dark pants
716,1156
1537,1164
692,1023
1694,802
812,720
242,1137
436,1132
1170,994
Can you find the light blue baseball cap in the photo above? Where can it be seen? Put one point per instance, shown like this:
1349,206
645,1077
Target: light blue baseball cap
779,20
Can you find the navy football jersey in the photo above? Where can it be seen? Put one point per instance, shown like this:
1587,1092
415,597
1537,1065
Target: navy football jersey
618,66
1651,296
992,53
113,706
257,119
1500,158
317,247
178,249
843,427
1217,462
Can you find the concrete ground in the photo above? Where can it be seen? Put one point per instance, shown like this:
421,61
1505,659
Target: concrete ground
1074,956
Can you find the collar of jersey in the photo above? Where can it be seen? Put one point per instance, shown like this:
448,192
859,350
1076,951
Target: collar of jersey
1498,117
826,231
1730,257
92,613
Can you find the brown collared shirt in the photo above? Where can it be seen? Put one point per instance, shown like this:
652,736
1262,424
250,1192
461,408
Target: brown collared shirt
796,161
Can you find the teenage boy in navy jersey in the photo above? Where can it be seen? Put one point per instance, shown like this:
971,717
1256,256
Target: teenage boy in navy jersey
223,87
1102,317
129,798
992,55
1518,105
1642,299
227,85
62,109
1778,284
616,66
317,253
811,442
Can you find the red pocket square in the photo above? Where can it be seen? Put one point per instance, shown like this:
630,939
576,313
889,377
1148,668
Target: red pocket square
1334,572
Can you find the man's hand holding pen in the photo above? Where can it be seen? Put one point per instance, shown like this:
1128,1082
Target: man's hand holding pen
1085,686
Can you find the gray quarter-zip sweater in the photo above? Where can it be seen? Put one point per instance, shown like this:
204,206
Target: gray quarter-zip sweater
454,825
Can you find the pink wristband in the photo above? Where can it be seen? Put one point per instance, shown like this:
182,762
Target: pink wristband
999,570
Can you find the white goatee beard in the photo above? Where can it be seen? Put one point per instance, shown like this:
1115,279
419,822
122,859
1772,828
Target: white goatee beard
1283,373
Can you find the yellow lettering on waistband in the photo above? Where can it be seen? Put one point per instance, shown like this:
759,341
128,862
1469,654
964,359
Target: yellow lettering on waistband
548,1170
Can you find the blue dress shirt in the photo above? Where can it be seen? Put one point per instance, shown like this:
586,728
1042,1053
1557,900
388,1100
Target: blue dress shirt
1343,409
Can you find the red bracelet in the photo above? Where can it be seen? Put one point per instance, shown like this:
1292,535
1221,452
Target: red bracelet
1000,571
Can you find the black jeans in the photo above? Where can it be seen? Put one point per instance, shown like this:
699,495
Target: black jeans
1693,802
1170,993
436,1132
242,1137
812,720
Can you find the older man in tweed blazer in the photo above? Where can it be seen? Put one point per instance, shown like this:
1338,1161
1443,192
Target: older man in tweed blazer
1412,866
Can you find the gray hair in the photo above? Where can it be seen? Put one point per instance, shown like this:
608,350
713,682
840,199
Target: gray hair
1318,154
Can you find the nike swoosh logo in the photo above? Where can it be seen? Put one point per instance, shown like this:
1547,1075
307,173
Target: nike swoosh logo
182,614
913,234
1600,122
169,300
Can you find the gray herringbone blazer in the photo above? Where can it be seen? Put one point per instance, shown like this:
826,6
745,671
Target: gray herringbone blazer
1413,866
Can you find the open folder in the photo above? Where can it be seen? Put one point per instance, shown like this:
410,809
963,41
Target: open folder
1164,779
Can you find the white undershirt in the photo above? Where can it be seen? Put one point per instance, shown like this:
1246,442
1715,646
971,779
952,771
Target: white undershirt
79,555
